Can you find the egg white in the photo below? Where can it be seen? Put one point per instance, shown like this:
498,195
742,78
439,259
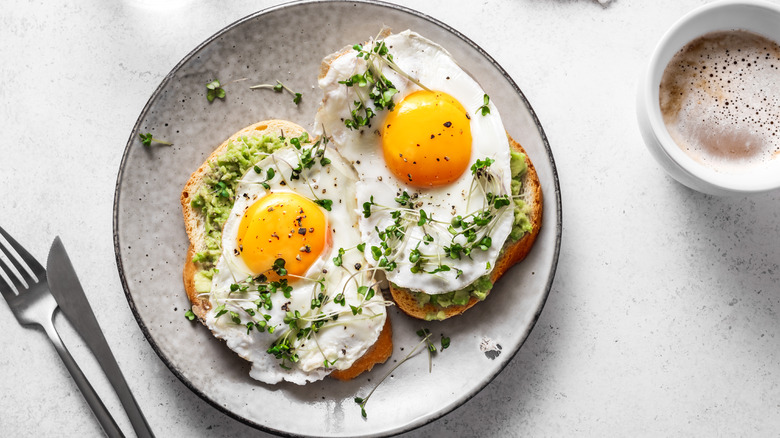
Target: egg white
352,335
435,68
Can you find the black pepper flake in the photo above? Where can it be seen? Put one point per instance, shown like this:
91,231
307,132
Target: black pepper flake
275,235
283,182
235,252
302,231
358,266
433,136
311,230
271,208
468,117
447,124
446,158
409,175
306,249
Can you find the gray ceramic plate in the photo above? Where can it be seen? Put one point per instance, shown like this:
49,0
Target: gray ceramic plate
151,244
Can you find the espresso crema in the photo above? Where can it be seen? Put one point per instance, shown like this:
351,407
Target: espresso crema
720,100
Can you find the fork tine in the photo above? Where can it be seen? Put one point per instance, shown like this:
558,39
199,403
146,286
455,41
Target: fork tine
5,288
36,267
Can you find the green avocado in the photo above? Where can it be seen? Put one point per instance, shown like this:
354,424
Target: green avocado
215,197
482,286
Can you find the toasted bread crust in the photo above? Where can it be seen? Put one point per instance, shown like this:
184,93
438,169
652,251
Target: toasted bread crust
377,353
514,253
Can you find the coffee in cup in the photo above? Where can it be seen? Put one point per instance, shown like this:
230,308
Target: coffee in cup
720,100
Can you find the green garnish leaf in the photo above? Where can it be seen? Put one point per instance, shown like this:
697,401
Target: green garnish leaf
279,87
423,218
279,268
403,199
324,203
484,109
481,165
147,140
367,207
338,260
189,314
214,90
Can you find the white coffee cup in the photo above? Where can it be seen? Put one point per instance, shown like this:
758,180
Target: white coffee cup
755,16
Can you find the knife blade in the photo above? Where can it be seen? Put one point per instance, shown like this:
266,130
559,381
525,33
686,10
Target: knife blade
68,293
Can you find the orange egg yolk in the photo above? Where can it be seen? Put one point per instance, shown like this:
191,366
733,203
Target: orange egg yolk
282,226
426,139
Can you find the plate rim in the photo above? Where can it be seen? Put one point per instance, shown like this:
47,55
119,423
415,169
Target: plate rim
421,421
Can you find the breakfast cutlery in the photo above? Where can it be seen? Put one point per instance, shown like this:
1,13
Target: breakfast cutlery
67,290
26,289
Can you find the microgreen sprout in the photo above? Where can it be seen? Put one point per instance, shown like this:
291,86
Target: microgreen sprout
338,259
485,108
147,140
362,401
458,237
189,314
269,175
222,189
214,90
367,207
372,84
279,87
324,203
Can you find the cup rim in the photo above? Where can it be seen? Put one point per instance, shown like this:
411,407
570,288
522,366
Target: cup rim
694,169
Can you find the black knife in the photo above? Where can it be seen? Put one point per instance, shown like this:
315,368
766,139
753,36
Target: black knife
66,288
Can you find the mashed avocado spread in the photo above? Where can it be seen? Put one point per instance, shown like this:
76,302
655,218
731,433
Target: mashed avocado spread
480,288
215,197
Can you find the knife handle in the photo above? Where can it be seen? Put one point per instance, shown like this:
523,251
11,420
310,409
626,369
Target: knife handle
97,343
98,408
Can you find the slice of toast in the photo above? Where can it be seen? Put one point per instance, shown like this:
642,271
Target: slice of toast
194,224
512,253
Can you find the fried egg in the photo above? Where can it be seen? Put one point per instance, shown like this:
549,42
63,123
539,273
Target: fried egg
434,172
278,297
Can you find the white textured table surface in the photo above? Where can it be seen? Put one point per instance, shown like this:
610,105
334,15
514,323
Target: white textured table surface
664,317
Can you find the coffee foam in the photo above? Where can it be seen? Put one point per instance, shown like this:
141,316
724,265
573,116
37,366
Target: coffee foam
720,100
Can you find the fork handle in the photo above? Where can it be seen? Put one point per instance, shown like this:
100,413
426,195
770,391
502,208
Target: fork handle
98,408
106,359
